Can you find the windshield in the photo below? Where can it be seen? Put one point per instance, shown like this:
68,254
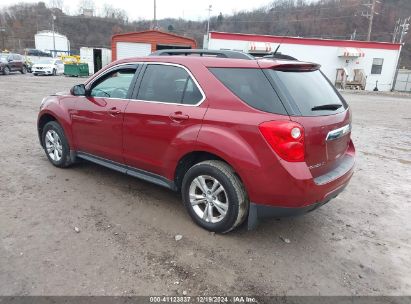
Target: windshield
310,91
45,61
3,56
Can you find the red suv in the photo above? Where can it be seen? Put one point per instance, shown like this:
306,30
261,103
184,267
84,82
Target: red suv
240,138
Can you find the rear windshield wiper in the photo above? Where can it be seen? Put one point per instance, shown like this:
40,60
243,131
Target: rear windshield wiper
333,106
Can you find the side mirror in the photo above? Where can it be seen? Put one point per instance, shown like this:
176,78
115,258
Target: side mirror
78,90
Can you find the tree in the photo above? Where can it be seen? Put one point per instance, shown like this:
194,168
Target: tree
114,13
87,6
56,4
170,28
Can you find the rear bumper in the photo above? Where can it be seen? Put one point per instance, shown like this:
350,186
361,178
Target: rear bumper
292,184
257,211
297,192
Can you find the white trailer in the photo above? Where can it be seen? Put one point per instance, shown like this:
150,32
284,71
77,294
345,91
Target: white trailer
54,43
377,61
96,58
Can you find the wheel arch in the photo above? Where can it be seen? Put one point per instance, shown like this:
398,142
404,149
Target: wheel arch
194,157
48,116
42,121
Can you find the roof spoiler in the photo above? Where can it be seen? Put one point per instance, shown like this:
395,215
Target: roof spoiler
296,67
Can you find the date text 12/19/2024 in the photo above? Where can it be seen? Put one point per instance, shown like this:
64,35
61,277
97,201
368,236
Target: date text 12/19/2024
202,299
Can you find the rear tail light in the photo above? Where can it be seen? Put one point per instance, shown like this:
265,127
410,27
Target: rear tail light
286,138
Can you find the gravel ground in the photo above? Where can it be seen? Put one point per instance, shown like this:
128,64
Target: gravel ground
359,244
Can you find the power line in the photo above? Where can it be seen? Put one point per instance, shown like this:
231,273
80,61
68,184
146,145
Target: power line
286,21
293,10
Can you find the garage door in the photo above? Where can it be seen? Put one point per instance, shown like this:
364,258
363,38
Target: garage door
132,49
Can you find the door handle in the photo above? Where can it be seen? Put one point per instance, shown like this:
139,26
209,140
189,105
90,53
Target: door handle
114,111
178,116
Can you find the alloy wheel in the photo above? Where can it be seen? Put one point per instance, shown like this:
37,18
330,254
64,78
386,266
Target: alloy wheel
54,146
208,198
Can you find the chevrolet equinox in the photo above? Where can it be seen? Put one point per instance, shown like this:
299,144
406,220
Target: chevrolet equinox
240,138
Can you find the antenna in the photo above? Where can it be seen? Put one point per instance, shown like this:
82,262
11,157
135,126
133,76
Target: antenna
282,40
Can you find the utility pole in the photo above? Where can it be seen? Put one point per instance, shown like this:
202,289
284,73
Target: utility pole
208,21
370,16
54,36
396,30
371,20
403,26
155,16
404,29
2,30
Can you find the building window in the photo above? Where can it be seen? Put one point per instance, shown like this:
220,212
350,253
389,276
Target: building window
377,65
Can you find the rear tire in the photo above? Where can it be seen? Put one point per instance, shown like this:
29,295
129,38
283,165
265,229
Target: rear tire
55,145
23,70
214,196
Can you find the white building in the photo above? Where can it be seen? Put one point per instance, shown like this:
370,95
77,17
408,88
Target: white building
59,45
354,61
96,58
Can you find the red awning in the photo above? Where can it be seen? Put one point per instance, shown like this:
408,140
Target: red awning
259,47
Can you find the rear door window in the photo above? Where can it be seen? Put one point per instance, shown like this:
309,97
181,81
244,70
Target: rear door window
252,87
169,84
310,91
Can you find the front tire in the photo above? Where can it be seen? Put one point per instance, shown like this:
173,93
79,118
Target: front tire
6,70
214,196
54,72
55,145
23,70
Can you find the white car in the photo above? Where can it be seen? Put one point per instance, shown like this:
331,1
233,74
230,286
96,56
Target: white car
48,66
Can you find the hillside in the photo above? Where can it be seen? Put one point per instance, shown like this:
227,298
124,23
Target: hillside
337,19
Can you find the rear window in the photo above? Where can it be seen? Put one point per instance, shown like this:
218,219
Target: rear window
310,91
251,86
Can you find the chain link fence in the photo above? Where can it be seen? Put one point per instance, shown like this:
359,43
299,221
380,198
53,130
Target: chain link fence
403,83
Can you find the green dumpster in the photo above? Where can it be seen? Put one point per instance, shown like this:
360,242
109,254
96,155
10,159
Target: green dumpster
76,69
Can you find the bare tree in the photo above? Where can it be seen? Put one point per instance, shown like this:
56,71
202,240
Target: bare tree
87,4
114,13
87,7
56,4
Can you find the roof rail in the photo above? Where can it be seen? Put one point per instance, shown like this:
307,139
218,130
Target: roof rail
202,52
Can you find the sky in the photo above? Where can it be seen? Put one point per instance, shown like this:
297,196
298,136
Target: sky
143,9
